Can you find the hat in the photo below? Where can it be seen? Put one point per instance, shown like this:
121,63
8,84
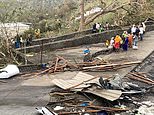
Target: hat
86,51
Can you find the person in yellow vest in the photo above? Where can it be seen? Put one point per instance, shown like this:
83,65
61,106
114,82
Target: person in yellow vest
37,33
107,43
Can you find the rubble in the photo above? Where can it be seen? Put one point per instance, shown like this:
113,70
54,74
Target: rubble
60,64
89,85
87,94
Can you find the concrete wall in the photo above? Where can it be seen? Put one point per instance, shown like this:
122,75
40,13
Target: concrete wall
66,36
63,37
83,40
29,68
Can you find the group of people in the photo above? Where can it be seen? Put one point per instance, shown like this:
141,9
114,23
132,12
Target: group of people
129,38
19,42
97,27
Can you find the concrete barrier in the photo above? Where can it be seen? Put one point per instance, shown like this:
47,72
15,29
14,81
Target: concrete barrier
63,37
66,36
83,40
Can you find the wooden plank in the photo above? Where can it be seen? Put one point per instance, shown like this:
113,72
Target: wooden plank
140,79
111,65
55,68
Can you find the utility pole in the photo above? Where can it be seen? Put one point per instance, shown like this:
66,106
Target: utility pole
41,61
25,52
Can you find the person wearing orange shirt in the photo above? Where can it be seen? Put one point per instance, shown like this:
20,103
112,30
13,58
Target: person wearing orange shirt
130,40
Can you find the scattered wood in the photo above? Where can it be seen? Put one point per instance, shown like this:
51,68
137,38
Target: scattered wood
60,64
95,110
142,77
110,66
134,76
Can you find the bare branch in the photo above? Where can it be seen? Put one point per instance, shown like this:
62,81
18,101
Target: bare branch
103,3
109,9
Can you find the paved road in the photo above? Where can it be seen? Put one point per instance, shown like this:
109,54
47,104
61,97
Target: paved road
21,100
69,53
16,99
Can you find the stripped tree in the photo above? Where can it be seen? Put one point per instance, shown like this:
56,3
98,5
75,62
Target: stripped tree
106,8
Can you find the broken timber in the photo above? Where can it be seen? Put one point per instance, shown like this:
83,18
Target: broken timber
110,65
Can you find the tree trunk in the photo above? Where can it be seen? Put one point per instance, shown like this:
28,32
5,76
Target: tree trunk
82,15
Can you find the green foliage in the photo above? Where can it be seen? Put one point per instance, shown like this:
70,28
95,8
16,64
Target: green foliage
28,32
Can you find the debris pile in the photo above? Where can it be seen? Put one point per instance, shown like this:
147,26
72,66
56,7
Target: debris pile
86,94
60,64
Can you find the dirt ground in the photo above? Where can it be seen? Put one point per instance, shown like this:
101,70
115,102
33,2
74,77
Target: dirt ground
16,99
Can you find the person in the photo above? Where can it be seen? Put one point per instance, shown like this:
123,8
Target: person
101,29
21,41
133,29
97,27
87,56
125,44
94,28
107,26
130,40
107,43
17,43
144,27
135,39
141,32
117,42
137,32
37,33
29,40
129,30
125,34
111,43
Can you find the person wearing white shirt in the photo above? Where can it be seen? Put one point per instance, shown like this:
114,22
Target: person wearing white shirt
144,27
111,43
97,26
133,29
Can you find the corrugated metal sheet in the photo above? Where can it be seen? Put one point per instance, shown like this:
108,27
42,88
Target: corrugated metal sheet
107,94
80,78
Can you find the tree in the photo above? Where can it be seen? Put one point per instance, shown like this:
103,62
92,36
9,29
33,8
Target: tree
82,15
106,8
9,13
